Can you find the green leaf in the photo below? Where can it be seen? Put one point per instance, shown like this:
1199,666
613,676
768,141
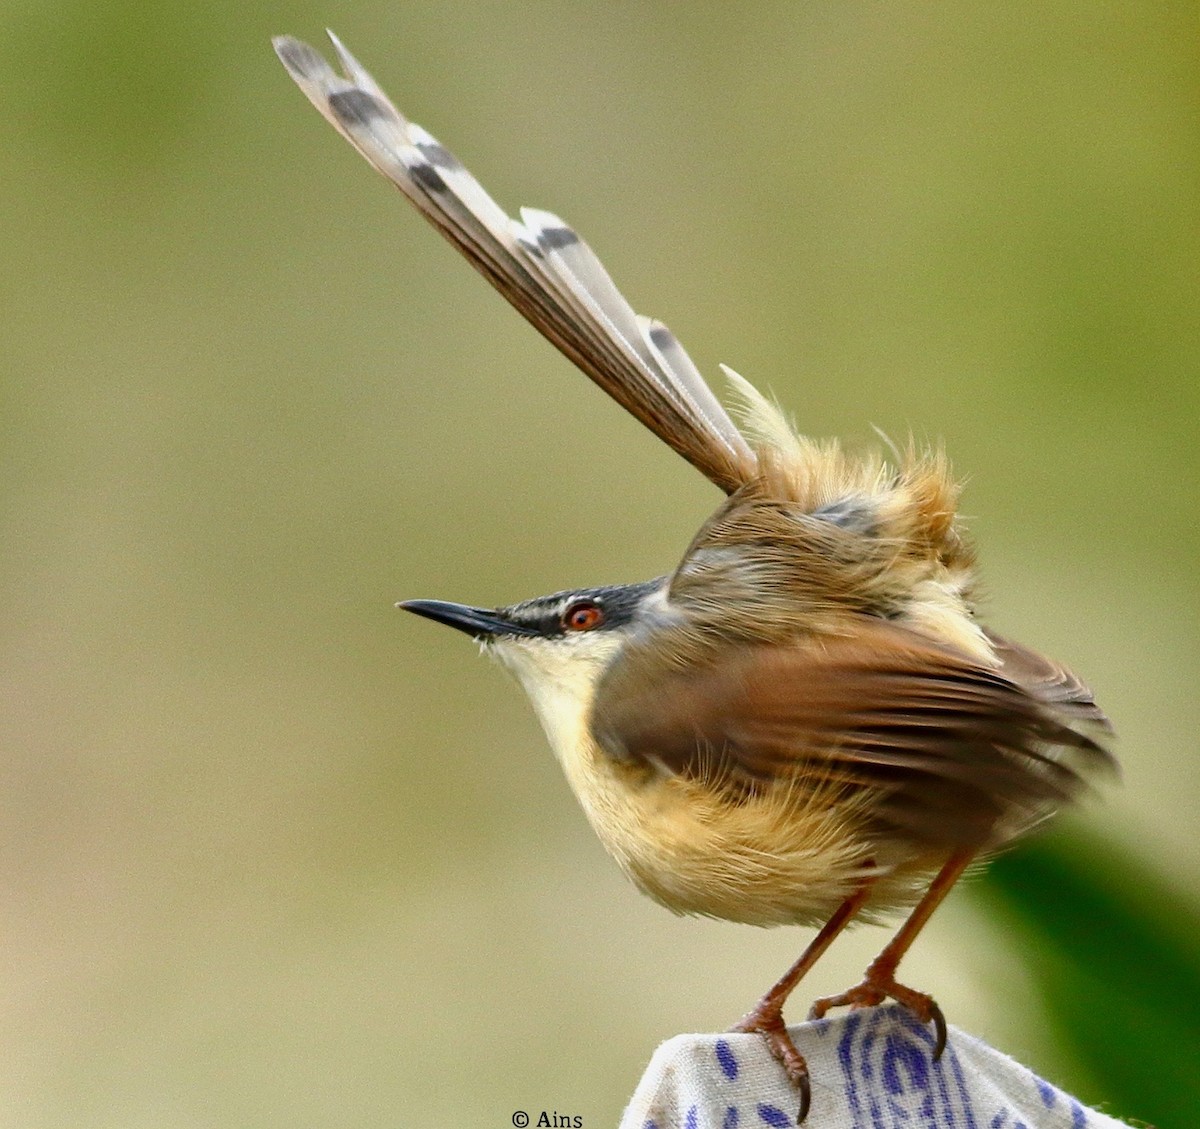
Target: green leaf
1116,953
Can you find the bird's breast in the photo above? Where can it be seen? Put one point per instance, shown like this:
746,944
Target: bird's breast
788,854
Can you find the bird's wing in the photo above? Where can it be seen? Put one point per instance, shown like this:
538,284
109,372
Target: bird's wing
1048,680
937,749
538,263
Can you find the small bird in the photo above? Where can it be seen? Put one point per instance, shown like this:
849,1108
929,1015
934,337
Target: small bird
802,723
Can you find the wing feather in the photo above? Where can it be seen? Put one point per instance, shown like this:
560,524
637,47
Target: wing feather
1049,680
939,749
538,263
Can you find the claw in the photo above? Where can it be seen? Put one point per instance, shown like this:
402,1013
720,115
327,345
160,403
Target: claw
805,1099
768,1022
874,991
938,1019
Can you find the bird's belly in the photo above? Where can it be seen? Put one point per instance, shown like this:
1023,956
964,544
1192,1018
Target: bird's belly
788,856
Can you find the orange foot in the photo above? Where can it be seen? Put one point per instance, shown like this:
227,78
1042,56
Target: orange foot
876,988
767,1020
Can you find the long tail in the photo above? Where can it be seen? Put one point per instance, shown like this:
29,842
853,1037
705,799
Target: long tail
539,264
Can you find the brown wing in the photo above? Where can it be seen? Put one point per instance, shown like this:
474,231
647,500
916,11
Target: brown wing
940,750
538,263
1048,680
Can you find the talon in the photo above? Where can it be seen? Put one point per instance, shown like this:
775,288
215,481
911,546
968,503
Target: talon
805,1098
821,1007
939,1029
865,994
768,1022
874,991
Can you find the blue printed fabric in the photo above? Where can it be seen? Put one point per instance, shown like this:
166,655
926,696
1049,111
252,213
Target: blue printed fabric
870,1069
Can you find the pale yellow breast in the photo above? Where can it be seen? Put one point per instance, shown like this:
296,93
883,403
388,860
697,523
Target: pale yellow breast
788,856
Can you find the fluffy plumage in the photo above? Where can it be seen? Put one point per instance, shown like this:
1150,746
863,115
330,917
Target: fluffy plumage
854,679
804,720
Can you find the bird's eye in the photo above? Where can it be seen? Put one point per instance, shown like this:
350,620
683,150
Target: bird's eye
582,615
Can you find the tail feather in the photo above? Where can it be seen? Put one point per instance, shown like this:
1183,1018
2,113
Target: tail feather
538,263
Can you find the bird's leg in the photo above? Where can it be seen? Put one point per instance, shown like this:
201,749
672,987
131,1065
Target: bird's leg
879,983
766,1018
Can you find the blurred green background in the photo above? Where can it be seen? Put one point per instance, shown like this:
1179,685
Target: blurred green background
274,854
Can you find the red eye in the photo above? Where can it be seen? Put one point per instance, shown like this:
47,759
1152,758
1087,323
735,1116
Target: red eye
583,615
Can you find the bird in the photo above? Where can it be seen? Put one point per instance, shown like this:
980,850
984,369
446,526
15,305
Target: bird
804,722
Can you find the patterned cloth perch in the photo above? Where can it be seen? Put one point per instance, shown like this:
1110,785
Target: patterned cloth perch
870,1069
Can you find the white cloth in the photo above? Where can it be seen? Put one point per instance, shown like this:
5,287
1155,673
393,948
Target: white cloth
870,1069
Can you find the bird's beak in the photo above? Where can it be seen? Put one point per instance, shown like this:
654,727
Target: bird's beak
482,623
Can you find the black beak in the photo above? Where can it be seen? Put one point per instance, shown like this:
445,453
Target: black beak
482,623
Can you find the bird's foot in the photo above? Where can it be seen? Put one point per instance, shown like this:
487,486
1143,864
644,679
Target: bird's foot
767,1020
879,986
